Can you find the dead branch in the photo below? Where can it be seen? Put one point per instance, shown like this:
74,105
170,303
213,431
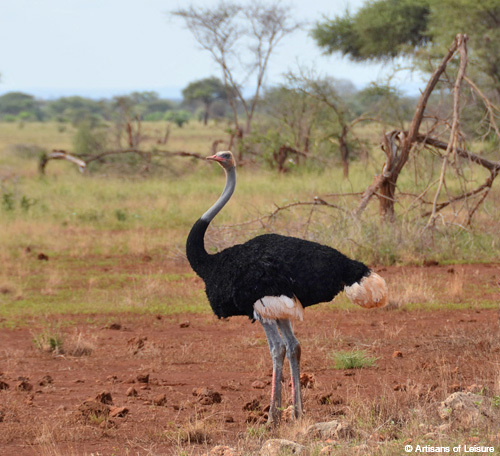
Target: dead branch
452,145
147,155
60,155
490,107
281,156
491,166
486,186
461,152
315,203
163,139
397,156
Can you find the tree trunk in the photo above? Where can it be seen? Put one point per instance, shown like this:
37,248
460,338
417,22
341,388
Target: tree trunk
344,150
386,195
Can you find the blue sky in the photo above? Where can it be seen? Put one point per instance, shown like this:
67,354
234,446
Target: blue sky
97,48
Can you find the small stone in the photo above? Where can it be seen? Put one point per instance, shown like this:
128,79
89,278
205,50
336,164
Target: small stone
278,447
4,385
118,412
91,409
24,385
160,400
46,380
330,430
252,405
114,326
397,354
429,263
207,396
42,257
143,378
307,380
258,384
104,398
136,344
131,392
184,324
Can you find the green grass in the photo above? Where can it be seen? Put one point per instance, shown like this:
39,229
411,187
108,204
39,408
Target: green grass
352,359
49,341
97,230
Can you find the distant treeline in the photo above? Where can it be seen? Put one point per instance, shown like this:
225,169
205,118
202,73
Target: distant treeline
19,106
149,106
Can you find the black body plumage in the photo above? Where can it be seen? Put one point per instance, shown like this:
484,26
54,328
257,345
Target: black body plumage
269,265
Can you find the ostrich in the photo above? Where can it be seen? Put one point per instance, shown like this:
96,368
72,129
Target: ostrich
271,278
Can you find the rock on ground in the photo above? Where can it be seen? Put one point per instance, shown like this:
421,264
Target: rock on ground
330,430
207,396
278,447
466,410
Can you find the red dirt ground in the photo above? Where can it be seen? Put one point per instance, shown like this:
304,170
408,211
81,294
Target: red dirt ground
422,356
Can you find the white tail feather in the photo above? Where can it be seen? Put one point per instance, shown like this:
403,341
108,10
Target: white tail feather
370,291
278,307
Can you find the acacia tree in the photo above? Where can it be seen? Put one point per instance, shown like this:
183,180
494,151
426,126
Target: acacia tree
206,91
240,40
421,29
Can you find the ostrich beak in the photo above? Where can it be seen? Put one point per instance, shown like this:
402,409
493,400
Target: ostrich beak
216,158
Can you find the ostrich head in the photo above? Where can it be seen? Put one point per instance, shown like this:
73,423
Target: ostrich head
224,158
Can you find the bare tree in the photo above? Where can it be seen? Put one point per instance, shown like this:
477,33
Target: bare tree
399,144
230,32
324,92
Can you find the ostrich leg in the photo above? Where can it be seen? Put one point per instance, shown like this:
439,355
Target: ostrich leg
293,353
277,349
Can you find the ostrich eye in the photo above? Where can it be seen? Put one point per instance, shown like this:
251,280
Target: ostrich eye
226,156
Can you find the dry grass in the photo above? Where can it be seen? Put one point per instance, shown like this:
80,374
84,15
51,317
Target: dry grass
411,289
456,287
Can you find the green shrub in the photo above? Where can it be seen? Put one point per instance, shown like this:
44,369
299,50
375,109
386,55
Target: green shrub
352,359
49,342
179,117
